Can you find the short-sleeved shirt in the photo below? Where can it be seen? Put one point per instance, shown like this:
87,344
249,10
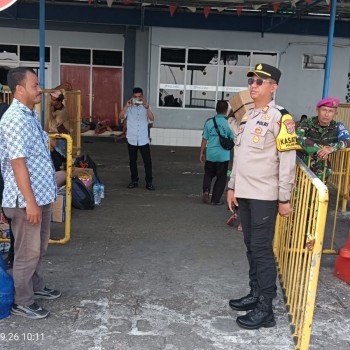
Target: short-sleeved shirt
215,152
260,171
21,136
137,127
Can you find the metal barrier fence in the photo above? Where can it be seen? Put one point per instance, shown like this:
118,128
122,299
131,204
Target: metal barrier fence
68,208
67,224
344,117
298,248
344,114
6,95
339,181
340,176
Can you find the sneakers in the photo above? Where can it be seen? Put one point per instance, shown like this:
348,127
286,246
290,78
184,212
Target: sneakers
150,187
47,293
133,184
217,203
33,311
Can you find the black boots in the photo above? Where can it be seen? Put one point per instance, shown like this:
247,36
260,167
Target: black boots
248,302
261,316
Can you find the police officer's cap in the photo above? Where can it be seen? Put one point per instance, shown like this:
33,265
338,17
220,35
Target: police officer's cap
265,71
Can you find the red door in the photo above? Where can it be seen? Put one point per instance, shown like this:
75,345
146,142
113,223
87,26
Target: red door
106,91
79,78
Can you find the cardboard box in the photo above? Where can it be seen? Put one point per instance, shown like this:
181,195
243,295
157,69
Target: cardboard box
241,103
58,213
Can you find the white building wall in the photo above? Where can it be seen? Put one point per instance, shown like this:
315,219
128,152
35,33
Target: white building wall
57,39
142,47
299,90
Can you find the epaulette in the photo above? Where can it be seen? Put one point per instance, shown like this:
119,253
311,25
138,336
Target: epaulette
282,110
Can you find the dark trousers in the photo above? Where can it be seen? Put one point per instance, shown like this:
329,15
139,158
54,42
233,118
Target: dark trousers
258,219
218,170
147,162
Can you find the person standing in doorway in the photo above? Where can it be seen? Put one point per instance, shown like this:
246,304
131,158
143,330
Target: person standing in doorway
261,184
138,114
29,191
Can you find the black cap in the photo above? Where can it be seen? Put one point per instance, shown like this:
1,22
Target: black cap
266,71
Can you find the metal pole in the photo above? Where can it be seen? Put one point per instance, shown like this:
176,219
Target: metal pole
42,57
329,49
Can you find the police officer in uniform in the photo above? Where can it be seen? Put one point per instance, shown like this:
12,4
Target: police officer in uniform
322,135
261,184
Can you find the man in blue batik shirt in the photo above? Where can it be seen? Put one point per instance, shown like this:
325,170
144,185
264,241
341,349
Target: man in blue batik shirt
215,157
29,190
138,114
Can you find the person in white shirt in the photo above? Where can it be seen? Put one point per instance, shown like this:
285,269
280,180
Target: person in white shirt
138,115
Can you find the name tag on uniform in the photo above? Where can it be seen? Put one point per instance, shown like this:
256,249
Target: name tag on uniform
259,122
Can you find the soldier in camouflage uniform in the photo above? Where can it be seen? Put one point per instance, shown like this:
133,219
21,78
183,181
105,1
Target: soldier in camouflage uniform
320,136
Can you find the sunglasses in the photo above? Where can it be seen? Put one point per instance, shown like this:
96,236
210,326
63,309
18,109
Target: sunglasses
259,81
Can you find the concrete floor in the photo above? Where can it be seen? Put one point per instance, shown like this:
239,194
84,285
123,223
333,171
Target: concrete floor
155,270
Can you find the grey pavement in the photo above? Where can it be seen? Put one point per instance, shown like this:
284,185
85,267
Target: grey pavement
155,270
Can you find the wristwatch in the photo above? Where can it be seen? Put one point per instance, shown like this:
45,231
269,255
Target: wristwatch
283,202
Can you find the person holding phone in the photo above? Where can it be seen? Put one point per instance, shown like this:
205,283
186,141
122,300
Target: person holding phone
138,114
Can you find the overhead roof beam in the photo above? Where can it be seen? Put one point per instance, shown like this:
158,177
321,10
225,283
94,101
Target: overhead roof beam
113,20
283,20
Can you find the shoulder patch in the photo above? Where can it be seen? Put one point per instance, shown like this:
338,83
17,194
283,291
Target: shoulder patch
286,139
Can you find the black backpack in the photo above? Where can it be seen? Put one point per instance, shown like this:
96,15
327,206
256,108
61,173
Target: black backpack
82,197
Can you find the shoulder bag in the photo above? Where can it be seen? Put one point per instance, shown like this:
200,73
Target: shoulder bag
225,142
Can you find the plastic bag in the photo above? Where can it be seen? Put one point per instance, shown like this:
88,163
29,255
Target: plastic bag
6,291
